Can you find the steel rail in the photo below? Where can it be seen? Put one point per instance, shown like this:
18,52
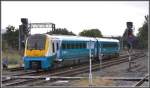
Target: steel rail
83,70
80,70
141,81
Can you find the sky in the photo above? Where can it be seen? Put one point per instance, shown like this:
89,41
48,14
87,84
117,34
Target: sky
109,17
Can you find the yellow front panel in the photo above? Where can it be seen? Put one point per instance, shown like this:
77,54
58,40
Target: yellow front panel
35,53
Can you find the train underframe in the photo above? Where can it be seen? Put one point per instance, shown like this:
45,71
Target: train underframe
47,63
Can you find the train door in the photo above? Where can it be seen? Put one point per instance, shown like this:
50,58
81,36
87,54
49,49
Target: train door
53,47
100,52
99,48
96,48
57,49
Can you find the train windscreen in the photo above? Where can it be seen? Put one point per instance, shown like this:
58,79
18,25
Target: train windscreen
36,42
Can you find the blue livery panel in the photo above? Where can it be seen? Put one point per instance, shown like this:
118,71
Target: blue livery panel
45,62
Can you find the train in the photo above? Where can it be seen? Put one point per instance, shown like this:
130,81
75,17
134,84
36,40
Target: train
43,51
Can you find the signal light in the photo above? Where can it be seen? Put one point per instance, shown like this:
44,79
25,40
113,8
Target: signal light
129,24
24,21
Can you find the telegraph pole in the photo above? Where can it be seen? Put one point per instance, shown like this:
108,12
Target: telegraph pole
100,57
130,41
19,40
23,33
90,73
129,38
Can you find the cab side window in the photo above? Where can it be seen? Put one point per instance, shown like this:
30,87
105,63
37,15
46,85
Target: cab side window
53,46
57,47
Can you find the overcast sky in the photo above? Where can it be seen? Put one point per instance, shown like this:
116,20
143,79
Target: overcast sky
109,17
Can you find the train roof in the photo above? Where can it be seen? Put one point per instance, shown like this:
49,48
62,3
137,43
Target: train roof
81,38
107,40
73,38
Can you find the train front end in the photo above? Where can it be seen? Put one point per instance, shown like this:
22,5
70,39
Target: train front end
37,52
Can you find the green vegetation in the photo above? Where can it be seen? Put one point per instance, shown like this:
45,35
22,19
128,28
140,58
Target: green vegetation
142,35
91,33
10,38
10,45
61,31
141,39
13,57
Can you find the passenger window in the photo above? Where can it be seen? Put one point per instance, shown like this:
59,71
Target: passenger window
75,45
110,45
84,45
63,46
78,45
72,46
68,46
81,45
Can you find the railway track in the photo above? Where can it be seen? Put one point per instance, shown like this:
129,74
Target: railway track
83,70
15,77
11,80
15,69
18,71
34,72
69,72
139,83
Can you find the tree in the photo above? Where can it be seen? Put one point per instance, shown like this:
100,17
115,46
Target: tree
91,33
61,31
142,35
10,38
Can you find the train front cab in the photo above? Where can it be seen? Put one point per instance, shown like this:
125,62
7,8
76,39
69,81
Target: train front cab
38,52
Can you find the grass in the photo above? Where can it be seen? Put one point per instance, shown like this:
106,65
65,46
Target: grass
13,58
13,65
95,82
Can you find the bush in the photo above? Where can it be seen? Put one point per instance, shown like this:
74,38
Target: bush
13,57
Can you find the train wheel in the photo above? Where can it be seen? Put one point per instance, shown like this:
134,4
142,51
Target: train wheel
79,61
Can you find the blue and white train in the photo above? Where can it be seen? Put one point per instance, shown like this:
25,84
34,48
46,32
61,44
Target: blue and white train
43,51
